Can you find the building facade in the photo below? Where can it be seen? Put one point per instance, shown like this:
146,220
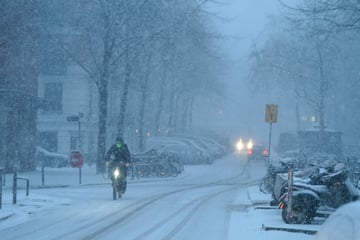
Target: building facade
68,120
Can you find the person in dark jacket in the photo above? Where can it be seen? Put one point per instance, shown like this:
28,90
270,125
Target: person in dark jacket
119,154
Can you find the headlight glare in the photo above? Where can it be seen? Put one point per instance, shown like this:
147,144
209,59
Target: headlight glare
116,173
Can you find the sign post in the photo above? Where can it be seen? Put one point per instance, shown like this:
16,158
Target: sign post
271,112
79,162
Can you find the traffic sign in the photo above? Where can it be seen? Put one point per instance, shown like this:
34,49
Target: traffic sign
76,159
271,113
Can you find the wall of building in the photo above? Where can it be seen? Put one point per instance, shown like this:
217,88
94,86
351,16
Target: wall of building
77,100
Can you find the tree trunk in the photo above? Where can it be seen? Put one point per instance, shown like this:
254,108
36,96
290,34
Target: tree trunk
322,88
102,85
176,114
103,99
157,129
144,89
297,113
170,124
322,93
190,113
11,147
28,132
125,92
184,112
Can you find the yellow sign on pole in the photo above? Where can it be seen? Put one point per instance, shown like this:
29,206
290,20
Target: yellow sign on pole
271,113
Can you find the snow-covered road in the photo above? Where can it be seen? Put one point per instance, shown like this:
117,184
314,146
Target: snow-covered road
200,204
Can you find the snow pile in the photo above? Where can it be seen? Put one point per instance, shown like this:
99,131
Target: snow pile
342,224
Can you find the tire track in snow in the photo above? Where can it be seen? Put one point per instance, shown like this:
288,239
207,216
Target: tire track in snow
197,203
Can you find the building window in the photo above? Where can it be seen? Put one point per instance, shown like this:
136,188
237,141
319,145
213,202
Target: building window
48,141
53,97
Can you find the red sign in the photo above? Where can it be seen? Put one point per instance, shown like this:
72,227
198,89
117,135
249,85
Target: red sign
76,159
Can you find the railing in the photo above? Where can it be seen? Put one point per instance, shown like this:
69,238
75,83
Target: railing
15,178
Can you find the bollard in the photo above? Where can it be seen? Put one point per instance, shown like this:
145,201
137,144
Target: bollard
14,186
290,191
1,177
15,178
27,184
42,174
79,175
132,172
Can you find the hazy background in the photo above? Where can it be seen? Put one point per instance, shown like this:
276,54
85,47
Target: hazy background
243,23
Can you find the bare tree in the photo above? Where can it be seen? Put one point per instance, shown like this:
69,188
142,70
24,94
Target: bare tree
19,61
104,29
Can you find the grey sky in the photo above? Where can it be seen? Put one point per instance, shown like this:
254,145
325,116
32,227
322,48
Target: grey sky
244,22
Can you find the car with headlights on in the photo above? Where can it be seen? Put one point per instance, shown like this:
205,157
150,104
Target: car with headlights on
257,152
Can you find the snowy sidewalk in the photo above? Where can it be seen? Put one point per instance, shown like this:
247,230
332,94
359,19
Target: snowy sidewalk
53,177
251,212
58,177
